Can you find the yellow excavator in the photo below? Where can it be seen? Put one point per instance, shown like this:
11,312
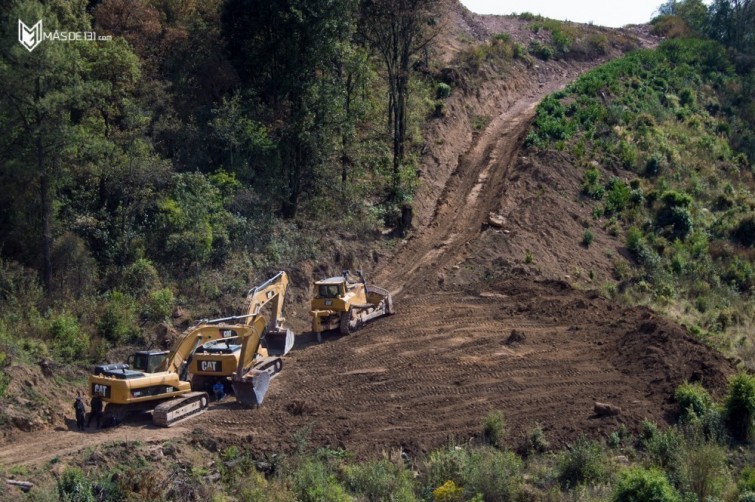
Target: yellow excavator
346,302
159,380
221,359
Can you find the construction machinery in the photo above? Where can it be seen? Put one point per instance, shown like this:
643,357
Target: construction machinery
346,302
159,380
221,359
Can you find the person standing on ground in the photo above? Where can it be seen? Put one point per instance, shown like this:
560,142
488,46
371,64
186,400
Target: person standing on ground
96,405
219,390
78,406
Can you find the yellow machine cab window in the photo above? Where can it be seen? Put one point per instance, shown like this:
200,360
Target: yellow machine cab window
329,291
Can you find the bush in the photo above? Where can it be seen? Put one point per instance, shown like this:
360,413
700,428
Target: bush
442,90
68,342
118,320
693,400
492,473
666,451
540,51
445,465
73,486
313,483
584,462
591,186
381,480
537,441
746,481
160,305
617,196
494,429
704,470
644,485
448,492
740,407
140,277
587,238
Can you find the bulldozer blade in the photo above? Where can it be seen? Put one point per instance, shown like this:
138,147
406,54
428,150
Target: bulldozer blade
251,389
279,343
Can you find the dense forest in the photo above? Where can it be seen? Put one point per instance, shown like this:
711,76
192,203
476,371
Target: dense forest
202,136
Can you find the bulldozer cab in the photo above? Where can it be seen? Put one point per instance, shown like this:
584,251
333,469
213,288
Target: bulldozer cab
327,289
148,361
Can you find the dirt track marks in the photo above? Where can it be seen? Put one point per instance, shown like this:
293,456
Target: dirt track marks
437,368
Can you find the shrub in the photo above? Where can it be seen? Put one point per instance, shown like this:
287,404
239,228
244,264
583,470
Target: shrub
693,400
140,277
746,481
494,429
313,483
492,473
666,450
442,90
160,305
591,186
448,492
73,486
118,320
705,471
540,51
740,407
537,441
445,465
380,480
68,342
644,485
587,238
617,196
584,462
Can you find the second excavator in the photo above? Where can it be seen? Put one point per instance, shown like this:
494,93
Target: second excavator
220,360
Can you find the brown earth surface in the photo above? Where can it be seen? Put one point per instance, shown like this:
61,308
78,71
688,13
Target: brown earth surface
542,353
477,328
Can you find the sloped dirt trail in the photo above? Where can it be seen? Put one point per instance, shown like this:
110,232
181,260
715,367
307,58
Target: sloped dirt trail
474,190
41,447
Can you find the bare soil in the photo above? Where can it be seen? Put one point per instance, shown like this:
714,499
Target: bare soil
540,352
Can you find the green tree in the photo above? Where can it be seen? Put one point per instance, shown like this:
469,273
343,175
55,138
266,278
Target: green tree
57,104
287,53
400,31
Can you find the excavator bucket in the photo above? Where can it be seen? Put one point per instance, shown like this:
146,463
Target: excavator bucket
250,390
279,343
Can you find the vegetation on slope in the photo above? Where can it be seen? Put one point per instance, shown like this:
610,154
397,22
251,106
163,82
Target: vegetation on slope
666,142
687,462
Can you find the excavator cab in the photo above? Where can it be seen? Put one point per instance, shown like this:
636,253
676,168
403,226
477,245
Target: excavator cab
148,361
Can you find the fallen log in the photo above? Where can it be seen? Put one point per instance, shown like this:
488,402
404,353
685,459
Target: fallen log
25,486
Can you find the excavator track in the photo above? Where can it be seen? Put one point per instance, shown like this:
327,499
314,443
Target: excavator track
176,410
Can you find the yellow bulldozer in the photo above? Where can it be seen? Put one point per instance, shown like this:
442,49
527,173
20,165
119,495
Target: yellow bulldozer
346,302
220,360
158,381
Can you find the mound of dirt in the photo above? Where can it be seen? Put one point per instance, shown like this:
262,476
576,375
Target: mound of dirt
431,373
